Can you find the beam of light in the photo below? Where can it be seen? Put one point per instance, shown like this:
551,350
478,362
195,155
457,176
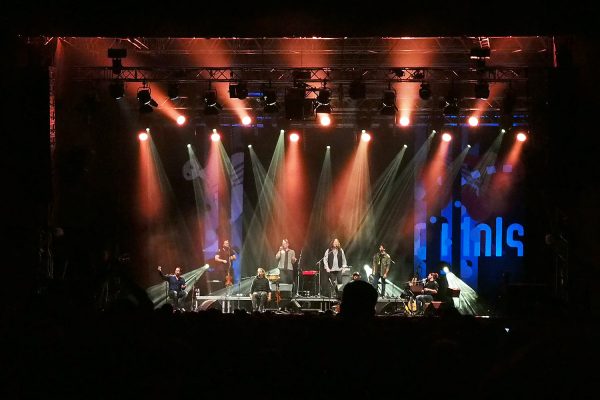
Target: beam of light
198,177
290,184
468,302
379,209
435,173
442,194
264,222
351,196
503,181
168,241
157,293
316,224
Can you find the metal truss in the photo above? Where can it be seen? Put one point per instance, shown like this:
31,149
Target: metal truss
317,75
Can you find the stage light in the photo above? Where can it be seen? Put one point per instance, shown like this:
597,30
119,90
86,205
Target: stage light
143,136
215,137
482,90
238,91
521,137
328,147
116,89
144,96
451,107
473,121
294,137
249,146
469,146
446,137
117,55
173,91
189,146
211,106
270,100
425,91
323,101
324,119
405,146
246,120
364,136
404,121
294,103
388,103
357,90
181,120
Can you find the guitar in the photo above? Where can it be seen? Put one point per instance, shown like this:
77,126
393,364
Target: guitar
229,277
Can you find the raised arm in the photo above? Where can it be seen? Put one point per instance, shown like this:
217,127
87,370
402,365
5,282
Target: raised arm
163,276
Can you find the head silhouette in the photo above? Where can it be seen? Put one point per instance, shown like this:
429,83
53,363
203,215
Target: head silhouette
358,300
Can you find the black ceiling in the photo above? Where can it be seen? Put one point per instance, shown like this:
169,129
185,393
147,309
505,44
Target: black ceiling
325,18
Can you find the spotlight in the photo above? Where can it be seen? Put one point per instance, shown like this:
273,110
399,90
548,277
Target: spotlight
425,91
451,107
357,89
294,137
478,53
482,90
294,103
473,121
324,119
246,120
364,136
173,91
143,136
323,101
446,137
180,120
388,103
238,91
215,137
521,137
116,89
211,106
270,99
117,55
145,99
404,121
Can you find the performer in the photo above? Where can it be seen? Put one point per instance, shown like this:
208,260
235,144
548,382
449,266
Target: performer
429,291
285,257
260,291
334,260
356,276
176,287
381,268
226,255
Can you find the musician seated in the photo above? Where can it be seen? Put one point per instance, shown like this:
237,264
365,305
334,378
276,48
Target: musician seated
260,291
430,290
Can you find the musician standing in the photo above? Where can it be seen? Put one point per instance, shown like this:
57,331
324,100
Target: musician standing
381,268
226,255
334,260
285,257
